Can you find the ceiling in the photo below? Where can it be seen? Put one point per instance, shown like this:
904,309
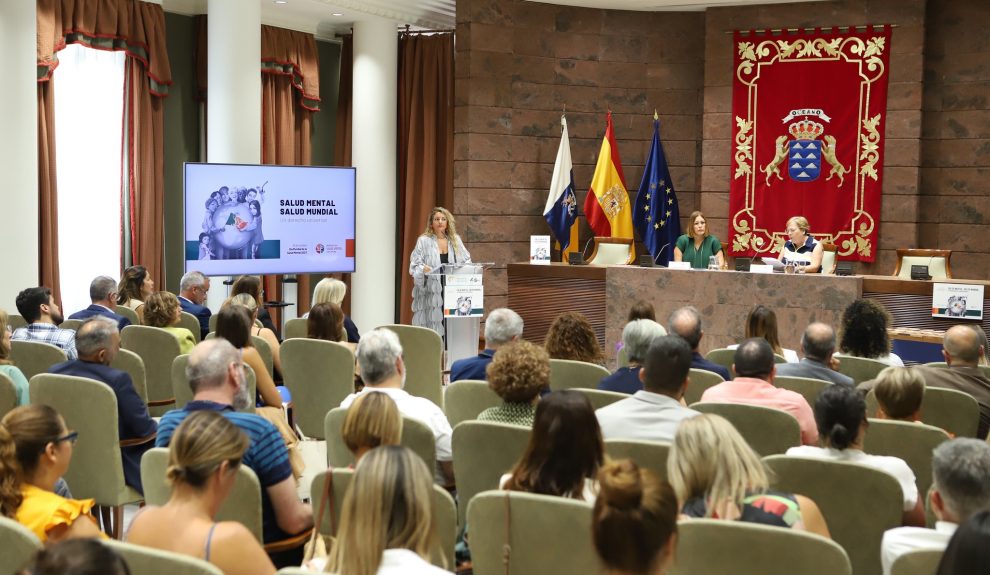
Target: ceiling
326,18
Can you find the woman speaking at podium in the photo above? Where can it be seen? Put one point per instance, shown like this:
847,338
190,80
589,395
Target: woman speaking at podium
438,245
801,250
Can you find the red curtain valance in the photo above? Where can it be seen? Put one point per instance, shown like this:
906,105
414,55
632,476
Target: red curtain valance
135,27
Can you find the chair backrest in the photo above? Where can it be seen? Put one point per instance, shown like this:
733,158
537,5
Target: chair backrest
8,394
151,561
72,324
829,258
89,407
19,544
806,386
34,357
127,360
860,368
767,430
600,398
858,502
15,321
952,410
191,322
320,374
922,562
701,379
265,351
912,442
128,313
936,260
647,454
533,533
622,358
213,322
443,508
158,349
747,549
295,328
612,251
463,400
984,368
569,374
243,504
183,392
483,452
422,352
724,357
416,435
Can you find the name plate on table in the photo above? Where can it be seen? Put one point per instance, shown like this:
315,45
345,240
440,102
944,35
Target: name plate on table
962,301
761,269
679,265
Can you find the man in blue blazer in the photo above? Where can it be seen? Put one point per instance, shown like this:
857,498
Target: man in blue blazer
503,326
103,294
193,288
98,342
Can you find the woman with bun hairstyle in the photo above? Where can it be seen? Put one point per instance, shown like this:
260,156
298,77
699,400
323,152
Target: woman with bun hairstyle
840,413
203,458
35,451
634,522
717,475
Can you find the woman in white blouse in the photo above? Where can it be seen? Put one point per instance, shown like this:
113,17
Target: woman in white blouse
438,245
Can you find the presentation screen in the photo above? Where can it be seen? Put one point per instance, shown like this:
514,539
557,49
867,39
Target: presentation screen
259,219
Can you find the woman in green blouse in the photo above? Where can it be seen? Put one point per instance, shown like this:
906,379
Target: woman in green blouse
698,245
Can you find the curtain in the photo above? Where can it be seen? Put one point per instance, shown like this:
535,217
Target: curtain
425,143
47,191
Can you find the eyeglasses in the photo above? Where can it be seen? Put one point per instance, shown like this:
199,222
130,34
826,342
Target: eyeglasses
71,437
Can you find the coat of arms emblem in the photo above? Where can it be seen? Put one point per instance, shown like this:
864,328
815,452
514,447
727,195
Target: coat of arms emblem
804,154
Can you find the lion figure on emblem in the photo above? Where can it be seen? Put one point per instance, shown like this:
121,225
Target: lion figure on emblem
828,152
774,166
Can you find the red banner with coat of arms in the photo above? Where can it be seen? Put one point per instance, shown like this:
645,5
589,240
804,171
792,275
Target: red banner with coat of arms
809,109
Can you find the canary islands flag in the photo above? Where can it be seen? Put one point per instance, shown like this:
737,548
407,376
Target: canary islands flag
561,208
657,218
607,206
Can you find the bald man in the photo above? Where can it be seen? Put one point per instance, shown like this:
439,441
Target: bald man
818,346
962,350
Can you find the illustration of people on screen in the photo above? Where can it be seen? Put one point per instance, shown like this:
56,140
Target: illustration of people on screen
254,228
205,252
463,305
232,224
225,197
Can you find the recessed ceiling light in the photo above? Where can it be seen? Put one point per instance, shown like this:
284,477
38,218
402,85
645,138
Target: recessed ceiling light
281,1
337,14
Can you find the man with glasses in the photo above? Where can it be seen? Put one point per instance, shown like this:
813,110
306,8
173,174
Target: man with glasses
103,295
193,288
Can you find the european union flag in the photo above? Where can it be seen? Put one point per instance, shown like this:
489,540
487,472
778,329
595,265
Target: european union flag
656,217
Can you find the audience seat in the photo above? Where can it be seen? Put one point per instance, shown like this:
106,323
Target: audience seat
954,411
416,435
622,358
34,357
295,328
937,261
183,393
569,374
72,324
516,533
483,452
647,454
767,430
15,321
158,349
701,379
422,352
464,400
8,395
724,357
320,374
191,322
716,547
600,398
127,360
18,543
265,351
806,386
829,258
859,503
128,313
860,368
150,561
924,562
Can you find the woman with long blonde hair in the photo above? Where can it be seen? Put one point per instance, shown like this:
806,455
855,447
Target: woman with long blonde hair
439,244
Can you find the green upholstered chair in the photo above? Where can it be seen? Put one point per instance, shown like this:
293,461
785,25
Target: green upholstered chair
422,352
767,430
516,533
150,561
924,562
158,349
806,386
701,379
128,313
954,411
444,512
647,454
483,452
463,400
295,328
753,549
90,408
265,351
724,357
320,374
213,323
183,393
15,321
72,324
860,368
570,374
858,502
34,357
416,435
127,360
600,398
8,395
191,322
622,358
18,543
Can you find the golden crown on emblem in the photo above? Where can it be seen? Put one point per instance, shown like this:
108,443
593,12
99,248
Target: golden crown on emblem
806,130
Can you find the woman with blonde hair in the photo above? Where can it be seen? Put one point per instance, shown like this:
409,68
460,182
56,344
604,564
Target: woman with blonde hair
7,366
717,475
801,249
372,420
332,290
203,458
571,337
387,525
135,287
439,244
162,310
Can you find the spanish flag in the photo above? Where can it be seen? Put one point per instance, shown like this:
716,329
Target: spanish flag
607,206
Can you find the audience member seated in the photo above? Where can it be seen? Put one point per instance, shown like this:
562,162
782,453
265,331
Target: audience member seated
103,295
98,343
78,557
840,412
565,450
216,376
35,451
753,385
7,366
43,316
518,373
161,310
135,287
386,524
818,347
205,452
325,321
372,420
330,290
717,475
264,333
251,285
634,522
193,289
639,310
572,337
899,392
655,412
502,327
962,350
234,324
864,332
380,357
968,552
636,339
960,488
685,322
762,322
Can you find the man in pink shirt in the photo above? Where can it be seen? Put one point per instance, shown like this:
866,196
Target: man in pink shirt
753,385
